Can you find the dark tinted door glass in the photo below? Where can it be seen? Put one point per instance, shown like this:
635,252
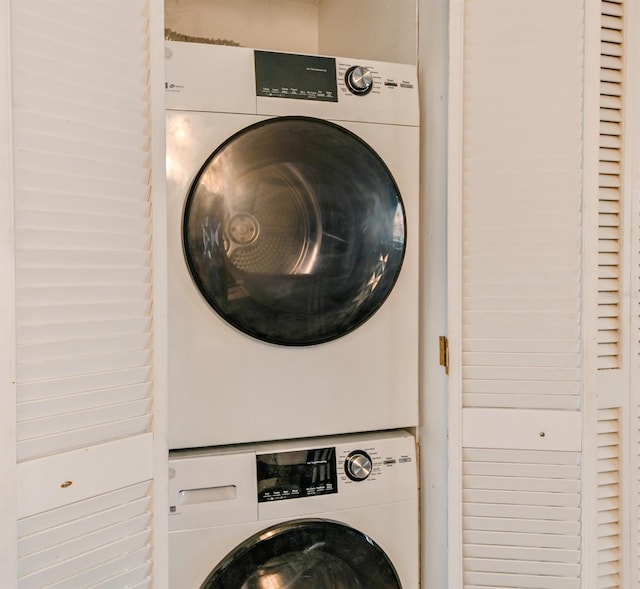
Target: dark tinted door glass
306,554
294,231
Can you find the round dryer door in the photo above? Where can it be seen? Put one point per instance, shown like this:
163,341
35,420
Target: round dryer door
306,554
294,231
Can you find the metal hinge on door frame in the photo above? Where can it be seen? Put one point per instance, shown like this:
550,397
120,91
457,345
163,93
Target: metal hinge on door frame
444,353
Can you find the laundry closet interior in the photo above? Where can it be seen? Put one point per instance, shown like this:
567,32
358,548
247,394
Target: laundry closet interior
293,222
517,239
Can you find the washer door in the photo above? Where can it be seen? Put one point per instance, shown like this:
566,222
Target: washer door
294,231
306,554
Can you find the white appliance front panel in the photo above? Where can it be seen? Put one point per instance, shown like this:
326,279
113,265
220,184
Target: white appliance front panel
215,487
193,554
384,506
216,78
226,387
209,78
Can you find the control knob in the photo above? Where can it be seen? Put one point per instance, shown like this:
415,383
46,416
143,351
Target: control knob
359,79
358,465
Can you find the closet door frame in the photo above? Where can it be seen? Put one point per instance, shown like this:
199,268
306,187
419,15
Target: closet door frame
8,552
159,264
454,287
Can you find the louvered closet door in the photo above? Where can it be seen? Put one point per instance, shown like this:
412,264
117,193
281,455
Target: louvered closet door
515,265
608,412
612,411
610,201
84,270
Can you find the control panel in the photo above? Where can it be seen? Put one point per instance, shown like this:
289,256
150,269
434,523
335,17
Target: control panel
323,79
355,79
235,484
222,79
317,471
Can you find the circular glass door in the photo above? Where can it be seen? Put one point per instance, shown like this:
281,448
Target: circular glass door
306,554
294,231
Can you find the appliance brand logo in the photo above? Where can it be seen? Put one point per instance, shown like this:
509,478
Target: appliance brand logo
172,87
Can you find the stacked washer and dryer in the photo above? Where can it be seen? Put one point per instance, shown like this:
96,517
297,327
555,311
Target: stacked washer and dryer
292,187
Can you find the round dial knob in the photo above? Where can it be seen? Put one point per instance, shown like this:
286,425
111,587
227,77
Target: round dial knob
359,79
358,465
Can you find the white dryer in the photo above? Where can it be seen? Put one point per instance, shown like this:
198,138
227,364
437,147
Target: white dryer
293,245
324,513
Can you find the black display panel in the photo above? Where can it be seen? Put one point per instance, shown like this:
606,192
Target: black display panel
290,475
302,77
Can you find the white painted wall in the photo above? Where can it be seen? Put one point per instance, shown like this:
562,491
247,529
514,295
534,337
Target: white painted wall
384,30
280,25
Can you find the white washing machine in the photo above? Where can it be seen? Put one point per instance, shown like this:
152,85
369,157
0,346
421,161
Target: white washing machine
293,245
323,513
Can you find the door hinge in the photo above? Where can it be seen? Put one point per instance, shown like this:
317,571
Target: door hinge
444,353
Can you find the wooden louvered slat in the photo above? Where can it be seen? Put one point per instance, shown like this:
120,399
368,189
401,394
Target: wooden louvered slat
530,512
76,419
78,384
88,364
38,352
610,180
607,284
48,407
522,567
609,245
609,134
609,232
609,337
514,399
517,346
610,21
613,8
609,319
610,155
609,221
610,89
610,204
610,74
525,387
610,62
611,115
611,45
83,436
610,141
